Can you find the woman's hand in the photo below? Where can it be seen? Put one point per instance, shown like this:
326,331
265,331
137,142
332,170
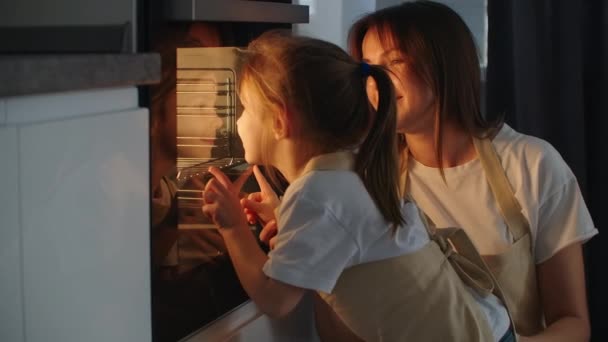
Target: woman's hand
221,199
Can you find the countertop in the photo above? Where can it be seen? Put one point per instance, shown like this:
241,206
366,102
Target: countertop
248,323
49,73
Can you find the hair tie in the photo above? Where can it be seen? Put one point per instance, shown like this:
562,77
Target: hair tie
365,69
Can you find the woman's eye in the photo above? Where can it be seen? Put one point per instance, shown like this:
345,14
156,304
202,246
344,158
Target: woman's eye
396,61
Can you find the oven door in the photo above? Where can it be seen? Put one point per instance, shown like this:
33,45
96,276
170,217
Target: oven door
193,126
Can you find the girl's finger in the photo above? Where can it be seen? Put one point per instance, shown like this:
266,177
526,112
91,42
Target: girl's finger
238,184
221,177
269,231
262,182
252,205
215,186
209,196
198,183
249,214
208,210
255,196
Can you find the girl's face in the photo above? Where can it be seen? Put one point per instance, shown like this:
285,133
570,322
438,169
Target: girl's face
415,100
251,126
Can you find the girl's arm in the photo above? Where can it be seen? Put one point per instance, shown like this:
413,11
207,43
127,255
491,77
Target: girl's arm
561,283
273,297
222,205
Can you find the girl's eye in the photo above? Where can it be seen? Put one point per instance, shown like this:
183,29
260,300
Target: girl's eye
396,61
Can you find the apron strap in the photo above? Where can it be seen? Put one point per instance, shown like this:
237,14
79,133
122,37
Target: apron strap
469,264
466,261
501,188
499,184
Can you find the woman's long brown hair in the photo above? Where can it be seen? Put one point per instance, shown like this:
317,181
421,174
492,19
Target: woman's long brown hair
440,49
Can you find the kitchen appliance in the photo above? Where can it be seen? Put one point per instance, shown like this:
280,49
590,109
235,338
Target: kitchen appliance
193,127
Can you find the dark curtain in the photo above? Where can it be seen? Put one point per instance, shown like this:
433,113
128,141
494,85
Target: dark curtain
548,73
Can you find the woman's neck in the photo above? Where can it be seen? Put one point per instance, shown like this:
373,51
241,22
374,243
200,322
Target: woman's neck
457,147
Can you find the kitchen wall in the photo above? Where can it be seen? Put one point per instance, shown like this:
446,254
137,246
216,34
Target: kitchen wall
331,19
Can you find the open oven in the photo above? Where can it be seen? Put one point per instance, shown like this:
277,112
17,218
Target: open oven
193,112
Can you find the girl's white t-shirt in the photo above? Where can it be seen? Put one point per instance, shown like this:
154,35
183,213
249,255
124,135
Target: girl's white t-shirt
327,222
542,182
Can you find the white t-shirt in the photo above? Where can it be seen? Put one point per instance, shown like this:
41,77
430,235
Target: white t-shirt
327,222
543,184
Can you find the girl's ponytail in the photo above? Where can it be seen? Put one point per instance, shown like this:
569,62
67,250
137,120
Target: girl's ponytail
377,160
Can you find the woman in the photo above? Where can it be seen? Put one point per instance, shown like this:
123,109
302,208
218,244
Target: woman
513,194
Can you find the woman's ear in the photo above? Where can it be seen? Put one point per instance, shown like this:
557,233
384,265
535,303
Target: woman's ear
371,88
281,125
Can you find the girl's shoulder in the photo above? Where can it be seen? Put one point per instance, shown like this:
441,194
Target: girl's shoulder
326,184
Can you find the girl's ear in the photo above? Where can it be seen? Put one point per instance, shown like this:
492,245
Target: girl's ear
281,125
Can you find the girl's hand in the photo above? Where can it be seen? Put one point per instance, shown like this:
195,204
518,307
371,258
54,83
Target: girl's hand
268,235
260,206
221,199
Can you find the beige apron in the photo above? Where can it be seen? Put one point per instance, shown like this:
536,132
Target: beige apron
415,297
514,269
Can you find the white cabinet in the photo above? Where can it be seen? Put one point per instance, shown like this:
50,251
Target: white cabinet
74,242
11,311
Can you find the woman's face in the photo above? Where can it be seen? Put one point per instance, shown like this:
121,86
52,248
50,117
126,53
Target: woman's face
415,100
251,126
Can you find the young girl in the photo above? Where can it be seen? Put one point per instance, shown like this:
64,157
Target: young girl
343,229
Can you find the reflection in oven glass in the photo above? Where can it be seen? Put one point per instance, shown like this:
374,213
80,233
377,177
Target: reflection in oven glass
194,281
193,128
193,113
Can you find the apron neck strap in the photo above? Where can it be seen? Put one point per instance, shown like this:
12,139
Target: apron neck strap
501,188
497,179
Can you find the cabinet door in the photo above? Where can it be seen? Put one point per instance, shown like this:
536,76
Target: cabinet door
85,203
11,311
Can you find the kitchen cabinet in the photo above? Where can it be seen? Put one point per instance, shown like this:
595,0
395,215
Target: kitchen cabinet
74,213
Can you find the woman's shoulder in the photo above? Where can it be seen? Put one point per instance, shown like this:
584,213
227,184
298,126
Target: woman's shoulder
526,149
509,140
527,157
